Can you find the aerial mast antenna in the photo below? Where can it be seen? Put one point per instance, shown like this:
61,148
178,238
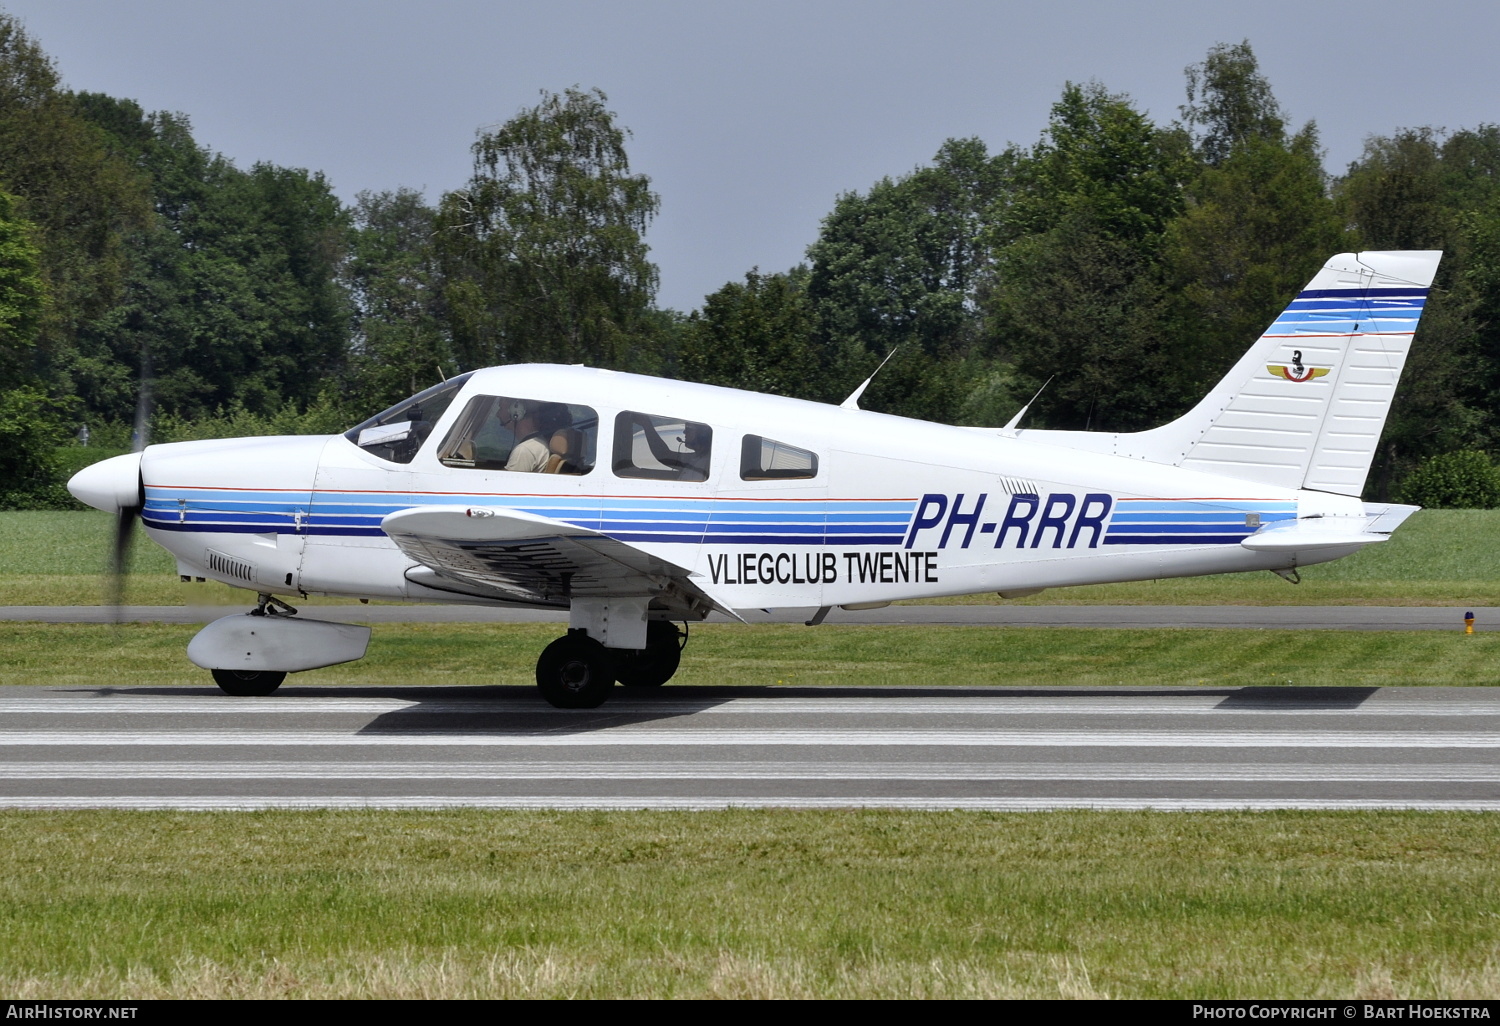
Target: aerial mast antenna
852,403
1011,425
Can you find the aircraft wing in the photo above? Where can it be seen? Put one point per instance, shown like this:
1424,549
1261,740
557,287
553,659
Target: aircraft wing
538,560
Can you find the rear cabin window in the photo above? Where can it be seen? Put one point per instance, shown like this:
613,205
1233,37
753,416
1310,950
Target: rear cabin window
765,459
397,433
661,448
529,436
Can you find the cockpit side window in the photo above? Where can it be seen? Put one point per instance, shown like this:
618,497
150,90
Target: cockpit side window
661,448
765,459
397,433
531,436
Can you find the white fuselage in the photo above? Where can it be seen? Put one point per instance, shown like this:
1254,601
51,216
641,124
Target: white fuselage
896,508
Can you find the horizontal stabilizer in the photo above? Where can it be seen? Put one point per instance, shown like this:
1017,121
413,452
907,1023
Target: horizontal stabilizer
1295,540
1313,534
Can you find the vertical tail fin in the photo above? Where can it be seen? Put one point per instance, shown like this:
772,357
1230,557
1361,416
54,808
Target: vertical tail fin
1304,407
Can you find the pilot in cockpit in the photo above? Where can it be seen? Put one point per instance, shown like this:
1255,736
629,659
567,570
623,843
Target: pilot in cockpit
535,426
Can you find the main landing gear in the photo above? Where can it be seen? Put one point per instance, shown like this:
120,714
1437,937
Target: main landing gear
577,672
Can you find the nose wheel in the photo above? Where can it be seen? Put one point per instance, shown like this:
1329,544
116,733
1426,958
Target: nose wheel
575,672
245,683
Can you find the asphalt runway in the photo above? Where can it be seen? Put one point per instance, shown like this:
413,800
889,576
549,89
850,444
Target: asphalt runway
1363,618
687,747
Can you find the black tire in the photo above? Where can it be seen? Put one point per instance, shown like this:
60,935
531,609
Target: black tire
246,683
575,672
654,666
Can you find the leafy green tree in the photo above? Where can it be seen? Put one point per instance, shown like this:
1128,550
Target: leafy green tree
1087,310
74,185
1079,294
1258,220
21,293
757,335
1418,189
899,268
1230,103
401,342
1105,160
1394,193
543,252
32,425
232,292
1454,480
1258,226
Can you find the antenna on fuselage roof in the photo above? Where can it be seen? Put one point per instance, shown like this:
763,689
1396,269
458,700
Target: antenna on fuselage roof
1011,424
852,403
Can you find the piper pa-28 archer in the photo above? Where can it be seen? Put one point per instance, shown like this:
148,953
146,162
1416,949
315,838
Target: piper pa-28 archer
636,503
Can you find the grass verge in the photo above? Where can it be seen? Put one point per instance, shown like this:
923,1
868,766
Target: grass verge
95,656
749,904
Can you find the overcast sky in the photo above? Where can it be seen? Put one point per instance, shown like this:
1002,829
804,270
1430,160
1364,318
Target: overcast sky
750,118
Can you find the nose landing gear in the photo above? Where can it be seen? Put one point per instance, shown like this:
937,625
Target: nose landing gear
251,654
245,683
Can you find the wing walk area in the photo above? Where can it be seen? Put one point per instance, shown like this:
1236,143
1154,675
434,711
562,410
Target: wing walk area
704,747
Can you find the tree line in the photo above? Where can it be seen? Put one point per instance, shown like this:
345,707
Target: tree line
1122,262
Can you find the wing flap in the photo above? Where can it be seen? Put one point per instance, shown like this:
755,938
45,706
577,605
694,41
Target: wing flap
539,560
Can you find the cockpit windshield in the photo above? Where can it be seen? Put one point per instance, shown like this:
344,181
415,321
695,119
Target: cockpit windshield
397,433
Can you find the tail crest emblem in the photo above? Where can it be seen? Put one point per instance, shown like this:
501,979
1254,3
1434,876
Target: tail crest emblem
1297,371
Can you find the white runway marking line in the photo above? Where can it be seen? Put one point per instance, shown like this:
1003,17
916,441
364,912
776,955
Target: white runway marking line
633,736
708,803
970,705
1231,773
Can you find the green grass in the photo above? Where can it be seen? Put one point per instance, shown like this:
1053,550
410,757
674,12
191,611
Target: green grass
95,656
60,559
1438,557
765,903
749,904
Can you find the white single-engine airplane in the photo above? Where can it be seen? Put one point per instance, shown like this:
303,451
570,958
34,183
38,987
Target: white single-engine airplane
636,503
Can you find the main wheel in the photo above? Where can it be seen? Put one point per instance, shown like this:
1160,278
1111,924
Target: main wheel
248,682
654,666
575,672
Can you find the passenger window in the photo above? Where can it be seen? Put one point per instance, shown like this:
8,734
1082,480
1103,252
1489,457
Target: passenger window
661,448
527,436
764,459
